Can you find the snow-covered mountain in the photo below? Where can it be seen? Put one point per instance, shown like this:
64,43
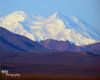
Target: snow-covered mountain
54,27
81,27
12,22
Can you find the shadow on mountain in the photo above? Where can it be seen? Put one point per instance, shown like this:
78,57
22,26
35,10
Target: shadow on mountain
17,43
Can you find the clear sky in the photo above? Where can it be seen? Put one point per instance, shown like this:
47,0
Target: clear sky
88,10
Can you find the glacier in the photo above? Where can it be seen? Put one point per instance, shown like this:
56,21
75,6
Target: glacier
56,27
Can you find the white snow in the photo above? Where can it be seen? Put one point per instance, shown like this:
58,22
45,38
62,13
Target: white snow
42,28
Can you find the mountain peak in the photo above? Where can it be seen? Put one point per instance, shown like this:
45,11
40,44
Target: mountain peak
74,18
19,16
52,27
55,14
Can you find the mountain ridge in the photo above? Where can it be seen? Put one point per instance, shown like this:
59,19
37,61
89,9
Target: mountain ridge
17,43
11,42
43,28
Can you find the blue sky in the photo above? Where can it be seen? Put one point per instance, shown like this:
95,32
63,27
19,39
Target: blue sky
88,10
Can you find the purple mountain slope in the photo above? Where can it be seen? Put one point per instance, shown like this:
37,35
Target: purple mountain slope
14,42
93,48
59,45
